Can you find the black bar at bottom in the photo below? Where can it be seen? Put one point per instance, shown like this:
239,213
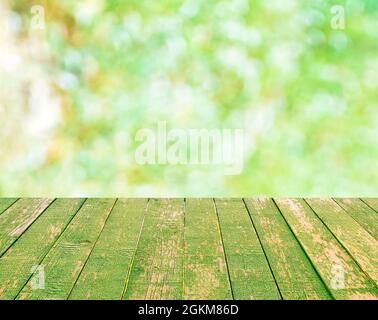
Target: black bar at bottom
166,309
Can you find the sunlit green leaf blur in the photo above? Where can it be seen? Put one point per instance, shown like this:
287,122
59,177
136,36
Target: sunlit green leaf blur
73,95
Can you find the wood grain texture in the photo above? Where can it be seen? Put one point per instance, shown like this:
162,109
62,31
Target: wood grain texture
5,203
340,273
104,275
362,246
371,202
295,276
205,275
15,220
64,262
258,248
249,270
362,213
16,265
157,270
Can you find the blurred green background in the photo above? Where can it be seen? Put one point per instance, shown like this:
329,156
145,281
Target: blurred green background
73,95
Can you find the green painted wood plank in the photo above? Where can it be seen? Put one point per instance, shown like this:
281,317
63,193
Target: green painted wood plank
15,220
372,203
362,213
251,277
5,203
157,271
103,250
205,271
329,258
356,240
63,264
293,271
104,275
30,249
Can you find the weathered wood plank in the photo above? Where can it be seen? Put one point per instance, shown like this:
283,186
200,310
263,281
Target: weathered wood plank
205,272
15,220
362,213
249,270
204,249
340,273
157,270
5,203
105,273
355,239
293,271
64,262
372,203
29,250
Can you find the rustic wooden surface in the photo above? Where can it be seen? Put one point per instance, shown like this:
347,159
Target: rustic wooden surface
255,248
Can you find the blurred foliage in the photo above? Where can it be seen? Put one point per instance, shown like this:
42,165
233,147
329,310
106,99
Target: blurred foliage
73,95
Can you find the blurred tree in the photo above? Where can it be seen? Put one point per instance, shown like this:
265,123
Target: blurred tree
74,94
